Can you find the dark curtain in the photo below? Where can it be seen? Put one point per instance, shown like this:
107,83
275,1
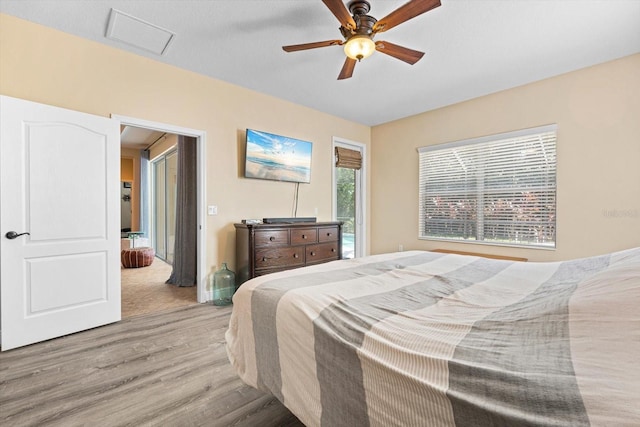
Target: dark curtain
185,252
144,193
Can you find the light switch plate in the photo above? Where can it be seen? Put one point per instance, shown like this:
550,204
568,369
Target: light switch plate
212,210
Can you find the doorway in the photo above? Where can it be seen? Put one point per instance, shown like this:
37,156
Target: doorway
145,290
125,207
202,294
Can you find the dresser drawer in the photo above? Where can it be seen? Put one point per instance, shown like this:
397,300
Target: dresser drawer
322,252
328,234
302,236
272,237
269,247
279,257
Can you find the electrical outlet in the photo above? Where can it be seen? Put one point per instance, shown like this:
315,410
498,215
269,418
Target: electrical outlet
212,210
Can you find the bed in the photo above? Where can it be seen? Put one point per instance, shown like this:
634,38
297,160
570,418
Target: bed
419,338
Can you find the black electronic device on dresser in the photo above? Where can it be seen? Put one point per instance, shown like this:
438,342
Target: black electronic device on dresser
267,248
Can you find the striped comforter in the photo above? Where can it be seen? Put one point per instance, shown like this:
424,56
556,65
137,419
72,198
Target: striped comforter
428,339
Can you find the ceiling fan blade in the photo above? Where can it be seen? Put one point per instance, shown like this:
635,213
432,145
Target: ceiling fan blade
347,69
305,46
405,54
340,11
404,13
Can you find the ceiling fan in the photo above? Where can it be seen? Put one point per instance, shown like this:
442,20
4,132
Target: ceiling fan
359,29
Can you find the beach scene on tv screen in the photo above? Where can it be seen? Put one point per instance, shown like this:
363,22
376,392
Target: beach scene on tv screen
277,157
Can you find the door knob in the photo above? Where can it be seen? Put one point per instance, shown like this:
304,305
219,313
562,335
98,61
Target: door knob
12,234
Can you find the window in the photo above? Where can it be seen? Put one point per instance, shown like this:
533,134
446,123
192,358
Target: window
499,189
348,192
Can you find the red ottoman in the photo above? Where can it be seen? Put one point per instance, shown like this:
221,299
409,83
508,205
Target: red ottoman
137,257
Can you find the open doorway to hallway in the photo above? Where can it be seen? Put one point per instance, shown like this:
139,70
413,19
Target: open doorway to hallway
148,213
200,226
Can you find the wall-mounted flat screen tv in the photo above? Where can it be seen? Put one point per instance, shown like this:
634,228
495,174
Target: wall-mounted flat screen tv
277,157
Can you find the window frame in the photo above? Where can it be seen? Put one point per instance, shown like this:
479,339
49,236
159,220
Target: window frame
361,192
480,192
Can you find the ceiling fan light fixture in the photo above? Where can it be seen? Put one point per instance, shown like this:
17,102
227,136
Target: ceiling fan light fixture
359,47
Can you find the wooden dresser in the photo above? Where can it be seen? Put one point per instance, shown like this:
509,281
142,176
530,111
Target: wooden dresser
267,248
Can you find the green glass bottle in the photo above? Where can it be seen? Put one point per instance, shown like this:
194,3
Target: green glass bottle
224,285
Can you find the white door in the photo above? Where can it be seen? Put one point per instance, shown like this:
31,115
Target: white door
60,176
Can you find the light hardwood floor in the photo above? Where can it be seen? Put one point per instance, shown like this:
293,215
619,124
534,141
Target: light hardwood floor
164,369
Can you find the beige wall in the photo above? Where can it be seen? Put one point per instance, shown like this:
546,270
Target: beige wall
126,169
134,157
165,144
47,66
597,110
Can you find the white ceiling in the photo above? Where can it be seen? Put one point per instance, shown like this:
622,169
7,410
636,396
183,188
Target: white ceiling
138,138
473,47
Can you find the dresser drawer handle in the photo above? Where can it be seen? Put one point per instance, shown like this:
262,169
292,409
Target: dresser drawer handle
295,255
264,259
272,238
333,249
328,234
304,236
313,253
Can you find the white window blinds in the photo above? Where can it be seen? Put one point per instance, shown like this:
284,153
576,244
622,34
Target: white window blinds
499,189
